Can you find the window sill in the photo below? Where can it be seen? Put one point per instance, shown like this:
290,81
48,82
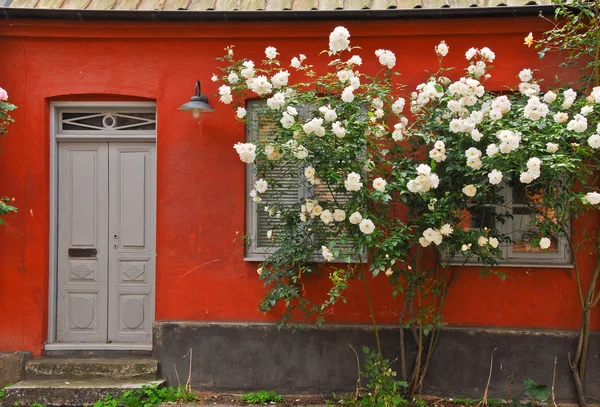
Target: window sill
517,265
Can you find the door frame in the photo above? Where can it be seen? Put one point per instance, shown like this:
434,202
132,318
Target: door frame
55,138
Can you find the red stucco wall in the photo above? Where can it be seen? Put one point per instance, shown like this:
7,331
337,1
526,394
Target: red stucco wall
201,274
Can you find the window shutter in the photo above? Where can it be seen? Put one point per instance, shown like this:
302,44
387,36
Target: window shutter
284,191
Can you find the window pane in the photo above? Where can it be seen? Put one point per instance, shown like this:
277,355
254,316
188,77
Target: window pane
524,230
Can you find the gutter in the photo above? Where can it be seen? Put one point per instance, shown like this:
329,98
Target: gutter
8,13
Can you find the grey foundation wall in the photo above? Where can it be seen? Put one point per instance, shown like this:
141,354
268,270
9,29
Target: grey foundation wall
12,367
248,357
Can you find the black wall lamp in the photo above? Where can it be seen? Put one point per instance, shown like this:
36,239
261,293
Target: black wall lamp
198,104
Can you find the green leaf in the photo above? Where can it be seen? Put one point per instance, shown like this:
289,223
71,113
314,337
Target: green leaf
538,392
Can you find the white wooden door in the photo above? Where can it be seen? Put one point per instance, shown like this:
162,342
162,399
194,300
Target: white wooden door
106,212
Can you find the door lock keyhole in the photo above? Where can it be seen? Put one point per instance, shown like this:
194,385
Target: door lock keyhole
115,236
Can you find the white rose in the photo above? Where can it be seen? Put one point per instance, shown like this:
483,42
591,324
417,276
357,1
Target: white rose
271,52
493,242
594,141
495,177
526,75
469,190
492,150
366,226
339,39
241,112
551,147
355,218
327,255
424,242
261,185
549,97
352,182
326,216
388,272
379,184
339,215
593,198
482,241
442,49
295,63
544,243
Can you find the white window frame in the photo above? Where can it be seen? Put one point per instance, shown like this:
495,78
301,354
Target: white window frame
510,258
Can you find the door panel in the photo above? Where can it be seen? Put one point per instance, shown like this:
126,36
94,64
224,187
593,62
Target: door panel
82,244
131,268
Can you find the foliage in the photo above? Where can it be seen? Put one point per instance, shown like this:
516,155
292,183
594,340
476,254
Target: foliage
381,389
36,404
3,390
5,120
5,208
537,393
147,396
406,187
262,397
576,36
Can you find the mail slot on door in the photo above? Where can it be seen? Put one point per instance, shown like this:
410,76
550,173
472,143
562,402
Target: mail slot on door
83,252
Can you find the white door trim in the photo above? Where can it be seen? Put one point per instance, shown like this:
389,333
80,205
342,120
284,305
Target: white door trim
55,137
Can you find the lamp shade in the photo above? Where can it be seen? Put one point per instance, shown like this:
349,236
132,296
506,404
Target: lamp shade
198,103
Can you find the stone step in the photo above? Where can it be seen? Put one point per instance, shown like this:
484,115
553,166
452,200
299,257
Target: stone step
142,368
70,393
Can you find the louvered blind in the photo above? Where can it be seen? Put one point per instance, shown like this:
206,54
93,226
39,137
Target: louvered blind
285,189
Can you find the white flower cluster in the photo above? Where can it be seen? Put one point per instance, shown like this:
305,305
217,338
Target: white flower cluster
314,126
296,62
478,68
527,87
398,106
271,52
311,208
260,186
533,170
273,153
310,174
260,85
592,198
352,182
277,101
425,93
398,133
500,106
339,39
442,49
280,79
225,94
247,71
435,236
338,130
327,216
386,58
288,117
467,91
473,158
535,109
509,140
425,180
328,113
570,96
483,241
246,151
579,124
438,153
298,150
326,253
495,177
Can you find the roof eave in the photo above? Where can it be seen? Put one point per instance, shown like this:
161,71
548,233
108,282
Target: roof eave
284,15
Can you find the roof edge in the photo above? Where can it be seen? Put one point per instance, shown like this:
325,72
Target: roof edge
8,13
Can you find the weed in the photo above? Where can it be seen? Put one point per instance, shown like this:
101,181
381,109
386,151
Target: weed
2,390
36,404
147,396
537,393
465,402
262,397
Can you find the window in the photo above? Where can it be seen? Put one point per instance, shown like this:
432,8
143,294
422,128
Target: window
290,191
518,226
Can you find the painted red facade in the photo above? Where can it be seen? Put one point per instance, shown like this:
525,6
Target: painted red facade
201,274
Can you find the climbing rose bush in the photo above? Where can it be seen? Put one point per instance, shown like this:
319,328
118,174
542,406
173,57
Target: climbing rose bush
398,173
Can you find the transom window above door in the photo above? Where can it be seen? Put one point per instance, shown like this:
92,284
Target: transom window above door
99,120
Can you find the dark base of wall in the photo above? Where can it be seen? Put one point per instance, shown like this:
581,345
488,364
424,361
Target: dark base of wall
249,357
12,367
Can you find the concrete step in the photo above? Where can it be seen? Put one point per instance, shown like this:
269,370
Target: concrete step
70,393
142,368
